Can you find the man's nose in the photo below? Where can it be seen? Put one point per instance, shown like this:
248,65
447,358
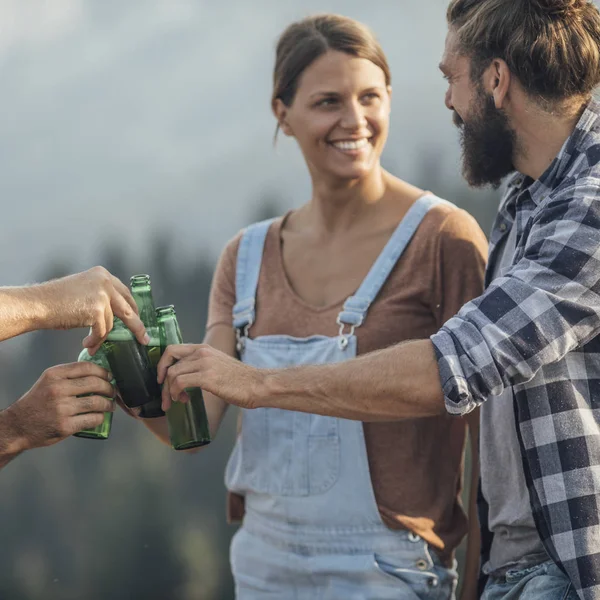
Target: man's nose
448,100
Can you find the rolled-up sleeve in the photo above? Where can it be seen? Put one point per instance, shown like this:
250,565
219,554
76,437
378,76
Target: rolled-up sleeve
546,305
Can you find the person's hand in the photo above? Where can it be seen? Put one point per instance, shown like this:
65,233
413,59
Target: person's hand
201,366
90,299
52,409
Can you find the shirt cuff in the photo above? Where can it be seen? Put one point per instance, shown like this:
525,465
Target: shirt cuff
457,396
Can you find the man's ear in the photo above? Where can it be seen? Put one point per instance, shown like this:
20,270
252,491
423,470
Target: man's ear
496,82
280,110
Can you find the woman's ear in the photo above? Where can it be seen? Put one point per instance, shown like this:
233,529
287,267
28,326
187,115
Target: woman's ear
280,110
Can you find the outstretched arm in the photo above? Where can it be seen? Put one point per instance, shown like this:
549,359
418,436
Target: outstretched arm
88,299
396,383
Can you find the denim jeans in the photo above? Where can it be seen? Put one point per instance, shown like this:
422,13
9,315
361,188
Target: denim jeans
540,582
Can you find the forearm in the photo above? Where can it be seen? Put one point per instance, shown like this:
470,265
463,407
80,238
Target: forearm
22,309
11,440
159,427
399,382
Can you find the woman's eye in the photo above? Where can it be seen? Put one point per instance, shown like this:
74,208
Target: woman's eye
326,102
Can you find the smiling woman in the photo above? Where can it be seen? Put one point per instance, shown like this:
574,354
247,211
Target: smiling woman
337,507
339,115
354,94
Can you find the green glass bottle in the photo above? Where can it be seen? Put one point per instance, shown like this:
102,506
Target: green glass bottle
141,290
129,362
102,431
188,422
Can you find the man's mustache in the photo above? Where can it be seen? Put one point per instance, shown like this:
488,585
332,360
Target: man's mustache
456,119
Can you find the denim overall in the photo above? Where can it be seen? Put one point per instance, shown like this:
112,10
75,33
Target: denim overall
312,529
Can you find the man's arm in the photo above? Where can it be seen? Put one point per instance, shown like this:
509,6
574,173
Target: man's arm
396,383
88,299
53,409
547,305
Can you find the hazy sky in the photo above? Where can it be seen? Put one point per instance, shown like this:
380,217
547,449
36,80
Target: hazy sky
120,118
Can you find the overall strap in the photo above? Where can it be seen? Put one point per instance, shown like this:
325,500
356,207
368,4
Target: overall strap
355,308
249,260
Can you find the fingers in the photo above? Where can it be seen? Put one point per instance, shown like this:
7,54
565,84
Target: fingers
189,364
99,329
92,404
178,385
89,385
77,370
123,290
85,421
125,312
166,396
171,355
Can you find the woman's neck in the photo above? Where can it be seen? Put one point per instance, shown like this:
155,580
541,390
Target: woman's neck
337,207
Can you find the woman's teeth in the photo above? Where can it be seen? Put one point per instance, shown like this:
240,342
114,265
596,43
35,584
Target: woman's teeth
351,144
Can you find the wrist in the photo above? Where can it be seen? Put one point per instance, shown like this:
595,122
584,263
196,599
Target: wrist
278,388
267,389
12,435
41,305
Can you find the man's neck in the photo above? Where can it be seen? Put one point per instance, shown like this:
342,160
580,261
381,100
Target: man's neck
541,135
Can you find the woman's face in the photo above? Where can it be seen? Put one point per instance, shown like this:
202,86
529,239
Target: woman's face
339,116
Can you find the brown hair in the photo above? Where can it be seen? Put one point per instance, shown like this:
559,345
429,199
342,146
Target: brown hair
552,46
306,40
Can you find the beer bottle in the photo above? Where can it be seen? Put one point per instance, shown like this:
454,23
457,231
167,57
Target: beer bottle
102,431
130,365
188,423
141,291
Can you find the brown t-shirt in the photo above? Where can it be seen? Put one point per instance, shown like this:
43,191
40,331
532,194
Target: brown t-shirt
416,465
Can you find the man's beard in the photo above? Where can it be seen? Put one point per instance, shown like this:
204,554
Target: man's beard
488,143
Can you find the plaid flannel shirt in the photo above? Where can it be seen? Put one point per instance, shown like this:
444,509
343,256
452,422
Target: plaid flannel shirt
536,329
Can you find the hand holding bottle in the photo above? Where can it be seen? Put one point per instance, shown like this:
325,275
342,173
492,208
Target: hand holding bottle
202,366
56,407
90,299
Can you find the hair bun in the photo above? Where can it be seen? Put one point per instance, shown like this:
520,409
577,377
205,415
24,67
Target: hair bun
559,8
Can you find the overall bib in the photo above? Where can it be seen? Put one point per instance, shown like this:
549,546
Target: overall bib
312,529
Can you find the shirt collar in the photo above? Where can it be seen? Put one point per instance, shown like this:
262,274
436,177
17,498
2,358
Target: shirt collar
572,148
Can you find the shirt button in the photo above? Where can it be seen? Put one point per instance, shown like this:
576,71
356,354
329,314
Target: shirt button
502,227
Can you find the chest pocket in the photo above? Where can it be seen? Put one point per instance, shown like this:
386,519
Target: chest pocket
282,452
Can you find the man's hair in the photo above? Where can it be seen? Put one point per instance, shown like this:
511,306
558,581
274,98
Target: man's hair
552,46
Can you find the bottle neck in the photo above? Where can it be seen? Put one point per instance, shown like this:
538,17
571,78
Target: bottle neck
119,333
145,304
169,332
